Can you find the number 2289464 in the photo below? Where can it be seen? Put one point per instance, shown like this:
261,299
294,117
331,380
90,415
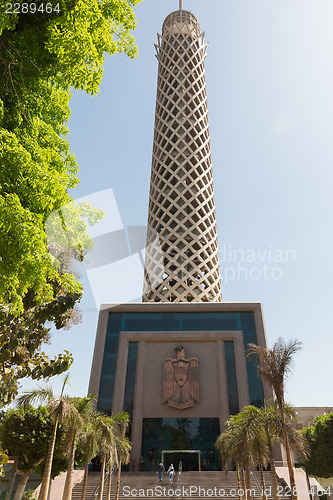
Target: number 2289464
32,8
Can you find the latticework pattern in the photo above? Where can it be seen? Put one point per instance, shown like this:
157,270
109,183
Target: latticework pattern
182,263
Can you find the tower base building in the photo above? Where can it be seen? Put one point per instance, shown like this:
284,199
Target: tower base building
179,370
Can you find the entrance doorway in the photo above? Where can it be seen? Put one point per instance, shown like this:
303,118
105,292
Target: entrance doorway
190,459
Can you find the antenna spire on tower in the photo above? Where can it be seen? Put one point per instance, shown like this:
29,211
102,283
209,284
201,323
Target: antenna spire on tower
180,4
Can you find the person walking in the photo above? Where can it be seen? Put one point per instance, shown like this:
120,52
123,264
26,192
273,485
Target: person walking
171,472
160,471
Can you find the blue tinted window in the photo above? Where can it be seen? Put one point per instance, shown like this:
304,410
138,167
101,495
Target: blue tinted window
130,377
231,378
106,388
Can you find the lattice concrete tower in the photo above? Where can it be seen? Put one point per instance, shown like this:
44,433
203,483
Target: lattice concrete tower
181,263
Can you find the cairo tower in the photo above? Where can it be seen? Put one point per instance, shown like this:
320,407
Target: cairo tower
181,218
177,361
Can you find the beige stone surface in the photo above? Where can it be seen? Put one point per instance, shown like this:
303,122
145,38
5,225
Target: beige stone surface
182,262
58,483
300,480
306,414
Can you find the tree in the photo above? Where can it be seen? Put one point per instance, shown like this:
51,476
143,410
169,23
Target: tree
114,447
88,443
274,367
320,439
235,443
226,445
123,446
26,433
42,55
251,422
106,445
267,418
75,425
249,439
60,410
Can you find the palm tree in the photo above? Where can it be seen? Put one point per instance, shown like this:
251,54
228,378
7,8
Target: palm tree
274,367
251,422
276,432
268,420
82,408
122,444
236,444
111,460
60,409
89,443
225,444
106,444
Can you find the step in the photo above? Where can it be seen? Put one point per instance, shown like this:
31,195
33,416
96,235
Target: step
193,485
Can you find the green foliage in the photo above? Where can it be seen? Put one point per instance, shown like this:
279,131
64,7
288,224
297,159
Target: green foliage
29,495
320,438
3,461
26,432
41,57
250,433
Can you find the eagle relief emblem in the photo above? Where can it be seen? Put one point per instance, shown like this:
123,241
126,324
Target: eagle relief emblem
181,381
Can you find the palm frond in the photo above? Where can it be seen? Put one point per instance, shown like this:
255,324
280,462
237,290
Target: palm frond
37,396
275,364
60,408
65,382
123,449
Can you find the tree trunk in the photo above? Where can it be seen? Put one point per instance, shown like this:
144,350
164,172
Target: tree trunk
262,479
248,482
44,490
244,483
118,482
22,484
238,482
101,480
85,477
67,494
281,409
108,494
290,467
272,464
11,479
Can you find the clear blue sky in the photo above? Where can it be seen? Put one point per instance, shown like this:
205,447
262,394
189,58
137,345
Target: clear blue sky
270,83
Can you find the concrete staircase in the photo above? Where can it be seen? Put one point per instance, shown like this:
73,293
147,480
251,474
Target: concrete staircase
192,485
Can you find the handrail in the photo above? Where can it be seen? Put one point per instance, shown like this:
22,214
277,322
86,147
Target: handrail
106,475
180,471
179,479
255,480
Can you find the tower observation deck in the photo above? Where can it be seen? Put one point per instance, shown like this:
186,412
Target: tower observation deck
181,263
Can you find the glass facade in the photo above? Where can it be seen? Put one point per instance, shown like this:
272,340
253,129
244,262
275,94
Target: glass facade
130,382
130,377
106,388
182,322
231,377
160,434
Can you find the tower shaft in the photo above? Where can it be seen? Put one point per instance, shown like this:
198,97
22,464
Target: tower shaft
182,263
